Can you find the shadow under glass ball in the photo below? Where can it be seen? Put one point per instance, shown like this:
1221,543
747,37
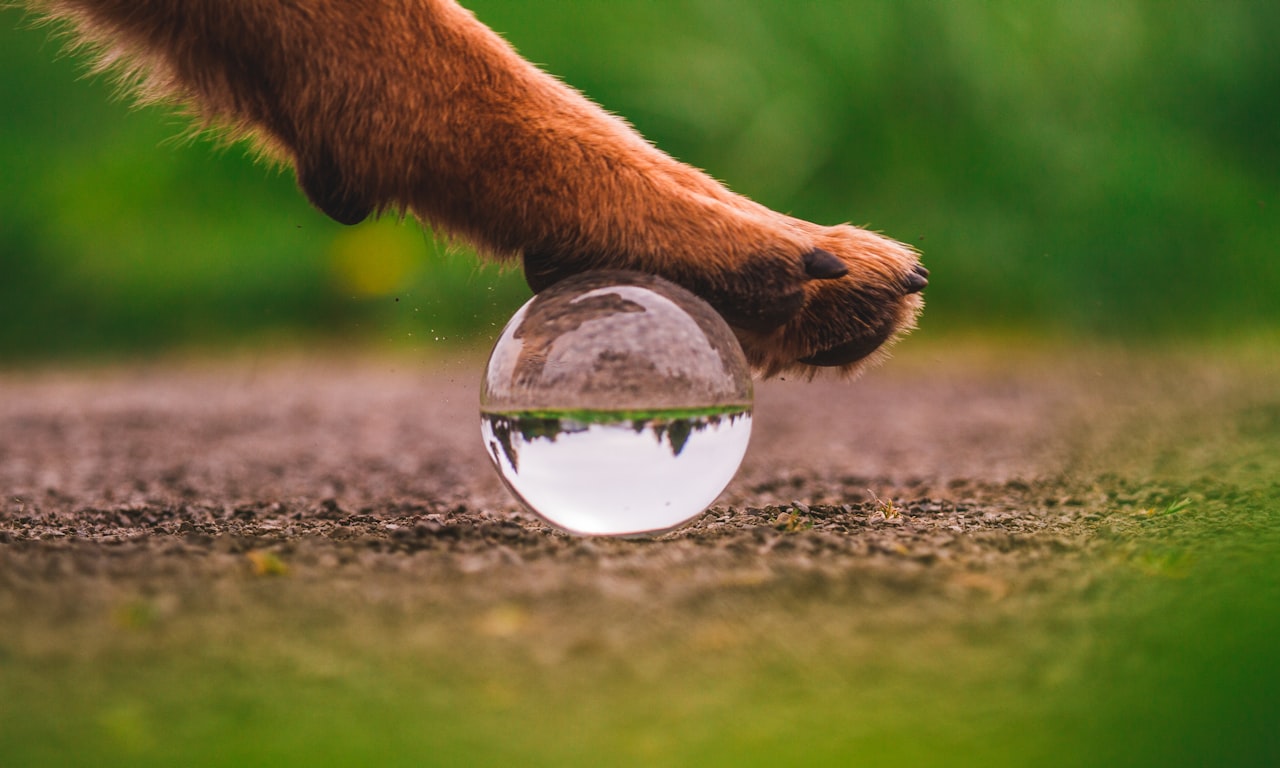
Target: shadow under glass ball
616,403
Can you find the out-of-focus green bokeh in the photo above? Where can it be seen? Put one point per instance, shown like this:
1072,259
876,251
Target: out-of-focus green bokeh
1080,169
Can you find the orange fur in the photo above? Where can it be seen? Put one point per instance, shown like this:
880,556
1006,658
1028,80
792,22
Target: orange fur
415,105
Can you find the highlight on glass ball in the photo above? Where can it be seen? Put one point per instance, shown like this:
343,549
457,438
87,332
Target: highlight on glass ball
616,404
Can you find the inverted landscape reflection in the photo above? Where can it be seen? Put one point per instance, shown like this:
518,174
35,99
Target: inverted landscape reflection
617,473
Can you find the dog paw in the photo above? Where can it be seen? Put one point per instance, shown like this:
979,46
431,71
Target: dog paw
814,298
747,266
766,290
845,320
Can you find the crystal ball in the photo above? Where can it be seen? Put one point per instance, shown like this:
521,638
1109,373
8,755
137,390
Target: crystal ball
616,404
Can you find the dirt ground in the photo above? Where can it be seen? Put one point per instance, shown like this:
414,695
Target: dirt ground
207,562
948,466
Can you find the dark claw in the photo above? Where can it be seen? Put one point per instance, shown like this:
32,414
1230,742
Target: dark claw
821,265
917,280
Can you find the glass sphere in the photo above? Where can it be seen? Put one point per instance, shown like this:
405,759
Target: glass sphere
616,403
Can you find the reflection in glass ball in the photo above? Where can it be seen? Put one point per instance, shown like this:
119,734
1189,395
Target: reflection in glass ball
616,403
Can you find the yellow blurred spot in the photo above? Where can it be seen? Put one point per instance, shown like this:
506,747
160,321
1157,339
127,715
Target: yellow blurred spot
377,258
503,621
266,563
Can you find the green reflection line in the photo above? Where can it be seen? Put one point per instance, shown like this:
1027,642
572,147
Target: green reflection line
598,416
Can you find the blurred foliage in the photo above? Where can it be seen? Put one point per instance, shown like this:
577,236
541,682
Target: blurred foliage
1069,168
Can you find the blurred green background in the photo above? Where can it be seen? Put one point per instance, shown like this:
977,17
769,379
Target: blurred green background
1068,169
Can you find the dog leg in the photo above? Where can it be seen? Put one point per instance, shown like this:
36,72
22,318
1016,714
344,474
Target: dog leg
414,105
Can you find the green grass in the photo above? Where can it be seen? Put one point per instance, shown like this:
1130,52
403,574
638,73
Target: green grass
1157,649
602,416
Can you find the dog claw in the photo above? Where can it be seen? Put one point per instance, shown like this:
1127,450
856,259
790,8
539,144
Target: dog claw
821,265
322,181
916,280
